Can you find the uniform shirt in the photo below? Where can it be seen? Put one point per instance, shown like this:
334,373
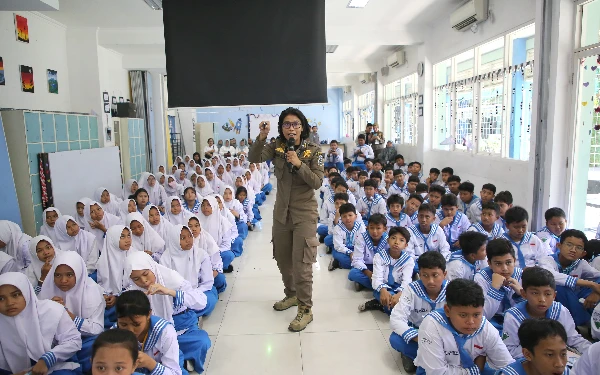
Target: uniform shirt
497,301
502,223
496,232
440,352
435,240
336,157
392,274
517,369
398,190
529,250
162,346
412,308
589,362
331,225
460,268
364,250
516,315
474,213
403,168
464,207
344,239
567,276
548,238
366,150
403,221
375,205
295,191
459,224
414,218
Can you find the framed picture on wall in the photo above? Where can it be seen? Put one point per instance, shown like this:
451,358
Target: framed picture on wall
420,111
106,107
114,100
121,99
52,81
21,29
105,97
420,99
2,81
27,79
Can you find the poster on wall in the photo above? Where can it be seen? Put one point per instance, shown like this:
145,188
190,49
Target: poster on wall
255,119
52,81
21,29
106,107
27,78
121,99
2,81
105,97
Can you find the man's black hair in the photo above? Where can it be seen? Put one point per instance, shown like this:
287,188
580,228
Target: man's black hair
491,206
532,331
449,200
189,188
414,179
504,197
434,170
537,277
333,141
395,198
362,136
448,170
554,212
376,175
341,183
463,292
453,178
347,207
431,260
490,187
421,188
333,175
467,186
133,303
417,197
377,161
516,214
371,183
573,233
427,207
471,242
592,249
341,196
397,172
363,173
437,189
499,247
398,156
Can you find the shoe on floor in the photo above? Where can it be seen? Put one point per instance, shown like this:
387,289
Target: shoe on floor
303,318
408,364
357,287
372,305
285,303
328,250
322,239
228,269
333,264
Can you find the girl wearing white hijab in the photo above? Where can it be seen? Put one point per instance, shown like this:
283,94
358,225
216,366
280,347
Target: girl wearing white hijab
193,177
172,188
203,240
175,212
216,183
7,263
223,175
219,228
156,193
194,265
98,220
198,170
252,183
43,252
173,299
107,201
237,245
190,166
243,162
237,210
161,169
264,171
203,188
237,169
72,238
156,221
126,207
50,215
36,331
80,216
15,243
144,237
129,188
81,297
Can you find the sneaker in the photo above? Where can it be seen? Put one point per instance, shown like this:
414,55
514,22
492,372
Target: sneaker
251,228
322,239
357,287
408,364
285,303
228,269
372,305
328,250
302,319
333,264
189,366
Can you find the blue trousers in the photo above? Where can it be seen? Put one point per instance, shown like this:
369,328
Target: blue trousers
377,296
212,297
220,283
242,229
322,230
487,370
570,299
339,166
110,317
409,350
256,213
329,241
237,246
358,276
227,256
267,188
360,164
94,276
84,356
194,343
344,260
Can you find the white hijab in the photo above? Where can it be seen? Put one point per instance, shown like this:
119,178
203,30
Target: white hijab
215,224
80,220
168,189
108,220
186,262
177,175
252,181
225,177
237,169
30,334
216,182
182,218
46,229
149,240
225,211
127,188
112,207
154,195
162,306
13,237
162,228
190,168
4,260
206,190
83,243
111,264
124,207
36,265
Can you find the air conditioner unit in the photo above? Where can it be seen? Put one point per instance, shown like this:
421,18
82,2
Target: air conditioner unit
347,89
365,78
472,12
397,59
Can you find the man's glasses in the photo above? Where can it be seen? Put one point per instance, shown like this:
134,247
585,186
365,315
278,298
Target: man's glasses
295,125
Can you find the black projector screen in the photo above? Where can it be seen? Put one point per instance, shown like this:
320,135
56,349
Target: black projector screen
245,52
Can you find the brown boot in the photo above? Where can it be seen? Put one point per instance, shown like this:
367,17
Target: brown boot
285,303
302,319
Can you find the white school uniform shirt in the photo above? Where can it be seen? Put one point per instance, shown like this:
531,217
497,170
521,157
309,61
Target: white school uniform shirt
180,219
366,150
398,190
344,240
401,269
364,250
17,243
403,221
517,368
84,300
414,305
331,225
156,194
34,271
353,185
403,168
108,220
460,268
375,205
42,331
474,213
207,243
497,301
217,226
464,207
529,251
516,315
496,232
112,207
548,238
459,225
162,346
234,204
567,276
111,264
420,243
7,263
47,230
337,157
328,209
84,243
439,352
589,362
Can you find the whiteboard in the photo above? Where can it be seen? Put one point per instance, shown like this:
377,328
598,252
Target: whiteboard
255,120
77,174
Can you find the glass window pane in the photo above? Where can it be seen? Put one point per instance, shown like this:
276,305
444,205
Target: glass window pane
492,98
520,119
522,45
443,72
590,23
463,134
441,121
465,65
491,56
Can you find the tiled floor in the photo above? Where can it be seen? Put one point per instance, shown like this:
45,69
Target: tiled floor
249,337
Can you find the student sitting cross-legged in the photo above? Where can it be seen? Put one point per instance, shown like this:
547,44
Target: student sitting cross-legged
487,195
365,247
575,278
556,222
490,214
372,203
504,199
528,248
426,236
544,343
434,198
345,235
395,217
539,290
392,272
399,185
467,197
458,339
463,264
452,221
418,299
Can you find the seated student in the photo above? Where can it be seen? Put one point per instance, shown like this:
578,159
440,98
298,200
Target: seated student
414,168
432,179
338,185
369,166
467,197
48,228
362,152
127,206
7,263
109,202
418,299
203,240
589,362
173,299
539,290
490,213
556,223
399,164
267,186
488,191
190,201
528,248
575,278
544,343
395,217
157,222
144,237
130,187
434,198
335,156
203,187
81,297
141,200
453,184
452,221
399,187
422,189
363,176
220,229
458,339
156,193
335,217
330,207
411,209
237,210
345,235
42,252
427,236
446,173
380,189
175,214
392,272
241,195
116,350
377,166
411,185
365,247
592,253
98,220
37,336
465,263
72,238
347,164
388,177
372,203
504,200
80,217
501,281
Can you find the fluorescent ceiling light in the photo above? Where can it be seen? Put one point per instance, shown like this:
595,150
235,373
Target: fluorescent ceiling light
154,4
331,48
357,3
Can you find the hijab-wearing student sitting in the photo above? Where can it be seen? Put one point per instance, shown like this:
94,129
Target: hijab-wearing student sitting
157,222
129,188
48,229
203,240
127,206
98,220
156,193
7,263
175,212
43,252
237,210
109,202
72,238
144,237
37,337
219,228
237,244
15,243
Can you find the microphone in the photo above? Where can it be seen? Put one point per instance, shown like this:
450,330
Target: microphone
291,146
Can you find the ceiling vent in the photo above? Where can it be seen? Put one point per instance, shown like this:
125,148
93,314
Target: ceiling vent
154,4
331,48
472,12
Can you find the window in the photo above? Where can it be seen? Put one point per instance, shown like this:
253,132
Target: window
400,110
347,109
590,23
366,111
482,98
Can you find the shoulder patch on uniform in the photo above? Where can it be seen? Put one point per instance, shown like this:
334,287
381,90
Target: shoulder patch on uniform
505,336
320,159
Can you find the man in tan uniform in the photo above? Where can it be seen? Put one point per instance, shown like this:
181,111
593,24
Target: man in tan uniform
299,173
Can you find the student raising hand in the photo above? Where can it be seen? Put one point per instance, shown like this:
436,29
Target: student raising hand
45,269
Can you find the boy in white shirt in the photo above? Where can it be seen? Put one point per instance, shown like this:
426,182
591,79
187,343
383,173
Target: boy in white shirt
446,173
466,193
436,192
399,186
589,362
399,164
426,236
395,217
365,247
528,248
463,264
487,195
411,184
335,217
453,222
335,156
490,213
453,184
434,174
458,339
411,209
362,152
377,177
345,235
419,299
504,200
556,223
372,203
347,164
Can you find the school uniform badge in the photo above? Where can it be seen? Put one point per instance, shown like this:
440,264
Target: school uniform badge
320,160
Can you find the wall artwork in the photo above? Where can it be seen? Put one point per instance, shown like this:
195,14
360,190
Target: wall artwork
105,97
2,81
230,125
27,79
52,81
21,29
106,107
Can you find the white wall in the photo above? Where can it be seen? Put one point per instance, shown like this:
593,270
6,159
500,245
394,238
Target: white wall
46,50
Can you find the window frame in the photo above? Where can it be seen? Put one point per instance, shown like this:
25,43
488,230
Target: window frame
396,96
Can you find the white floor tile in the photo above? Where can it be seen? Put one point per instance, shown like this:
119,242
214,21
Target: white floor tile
255,267
258,289
395,354
212,324
243,318
340,315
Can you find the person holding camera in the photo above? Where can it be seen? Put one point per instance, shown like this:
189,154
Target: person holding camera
299,172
